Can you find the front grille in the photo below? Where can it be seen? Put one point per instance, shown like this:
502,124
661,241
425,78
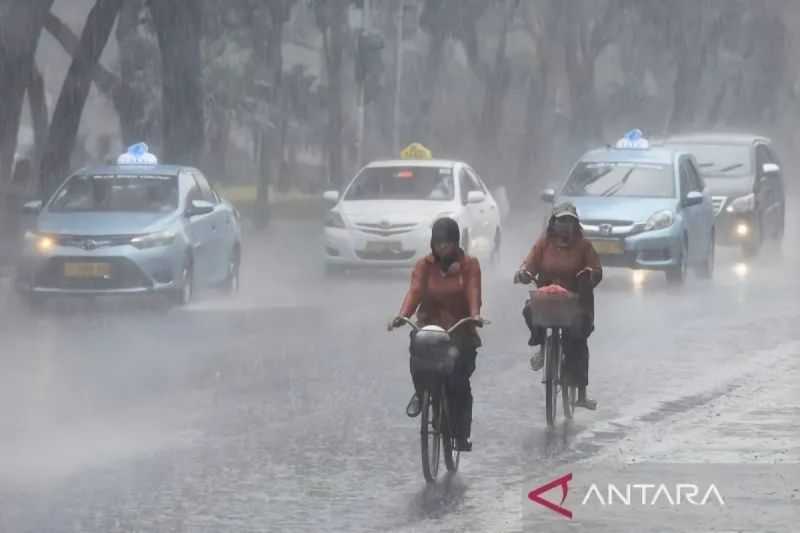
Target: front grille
385,230
718,202
655,255
91,242
124,275
611,222
385,256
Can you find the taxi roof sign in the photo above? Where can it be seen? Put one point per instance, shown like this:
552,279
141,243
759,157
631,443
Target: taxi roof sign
416,151
633,139
137,154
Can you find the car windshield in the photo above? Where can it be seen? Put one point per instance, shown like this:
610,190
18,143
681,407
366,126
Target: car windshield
108,193
621,179
720,160
403,183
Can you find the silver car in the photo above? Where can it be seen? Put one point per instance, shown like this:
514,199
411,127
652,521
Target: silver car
130,229
643,208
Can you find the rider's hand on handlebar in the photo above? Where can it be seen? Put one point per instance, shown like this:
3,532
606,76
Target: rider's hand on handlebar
479,321
523,276
396,322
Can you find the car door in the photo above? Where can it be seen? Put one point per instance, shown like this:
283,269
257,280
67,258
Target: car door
767,190
705,211
471,221
218,252
692,215
488,210
199,230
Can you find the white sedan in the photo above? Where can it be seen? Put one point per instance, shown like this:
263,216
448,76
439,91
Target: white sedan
384,216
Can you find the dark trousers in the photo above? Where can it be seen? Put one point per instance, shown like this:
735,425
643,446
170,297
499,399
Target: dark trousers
575,344
459,391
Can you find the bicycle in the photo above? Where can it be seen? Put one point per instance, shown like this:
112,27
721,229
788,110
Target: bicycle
433,358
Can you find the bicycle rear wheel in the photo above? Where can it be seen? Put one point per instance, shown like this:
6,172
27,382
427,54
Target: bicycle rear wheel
451,455
552,361
429,436
568,395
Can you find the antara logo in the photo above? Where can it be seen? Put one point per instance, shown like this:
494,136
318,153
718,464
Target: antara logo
645,494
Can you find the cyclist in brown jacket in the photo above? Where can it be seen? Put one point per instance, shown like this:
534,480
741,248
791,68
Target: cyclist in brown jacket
564,257
445,288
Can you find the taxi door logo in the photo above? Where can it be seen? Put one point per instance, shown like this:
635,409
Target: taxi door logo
536,495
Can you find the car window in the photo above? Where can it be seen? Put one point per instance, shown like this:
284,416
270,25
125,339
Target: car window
205,189
468,184
720,160
695,181
117,192
621,179
403,183
477,179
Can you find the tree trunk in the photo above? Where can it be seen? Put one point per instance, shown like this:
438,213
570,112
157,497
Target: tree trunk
336,42
75,90
179,26
37,102
20,29
423,125
497,83
130,103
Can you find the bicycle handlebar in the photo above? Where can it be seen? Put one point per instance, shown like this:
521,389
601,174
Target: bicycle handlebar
454,327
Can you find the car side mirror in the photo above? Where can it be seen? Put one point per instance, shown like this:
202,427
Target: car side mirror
549,195
475,197
770,169
693,198
199,207
331,196
32,207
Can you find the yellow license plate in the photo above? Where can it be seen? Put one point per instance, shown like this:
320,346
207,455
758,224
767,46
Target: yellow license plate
608,247
383,247
87,270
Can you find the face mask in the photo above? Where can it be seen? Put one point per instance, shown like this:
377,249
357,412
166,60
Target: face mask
564,231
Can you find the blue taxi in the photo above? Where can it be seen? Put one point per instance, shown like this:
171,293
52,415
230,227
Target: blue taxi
130,228
643,207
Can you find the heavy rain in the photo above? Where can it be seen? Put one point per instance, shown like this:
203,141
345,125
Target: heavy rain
210,211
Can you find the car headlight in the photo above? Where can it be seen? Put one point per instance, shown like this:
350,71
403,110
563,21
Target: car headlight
743,204
152,240
659,220
334,219
42,243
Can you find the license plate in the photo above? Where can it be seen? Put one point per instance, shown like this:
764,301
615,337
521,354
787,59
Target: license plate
87,270
608,247
383,247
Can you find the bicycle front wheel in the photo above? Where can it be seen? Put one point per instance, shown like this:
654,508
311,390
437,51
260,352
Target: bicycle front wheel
552,359
451,455
429,436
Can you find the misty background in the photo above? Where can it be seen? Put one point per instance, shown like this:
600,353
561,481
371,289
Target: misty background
292,96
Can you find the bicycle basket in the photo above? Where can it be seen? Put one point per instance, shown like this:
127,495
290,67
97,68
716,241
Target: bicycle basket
553,310
432,353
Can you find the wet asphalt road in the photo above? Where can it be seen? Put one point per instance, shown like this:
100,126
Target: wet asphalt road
283,409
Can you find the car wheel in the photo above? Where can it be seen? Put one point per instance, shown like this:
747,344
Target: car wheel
232,278
332,270
677,275
184,295
706,270
752,248
494,259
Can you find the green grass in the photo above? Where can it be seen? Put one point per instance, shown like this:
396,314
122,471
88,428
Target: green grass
283,206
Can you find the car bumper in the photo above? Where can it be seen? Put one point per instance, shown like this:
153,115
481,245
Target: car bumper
130,270
736,229
351,248
651,250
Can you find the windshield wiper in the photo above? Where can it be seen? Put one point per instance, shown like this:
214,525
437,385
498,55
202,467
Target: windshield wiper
611,191
705,165
731,167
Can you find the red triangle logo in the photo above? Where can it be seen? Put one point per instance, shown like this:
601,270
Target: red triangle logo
536,495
